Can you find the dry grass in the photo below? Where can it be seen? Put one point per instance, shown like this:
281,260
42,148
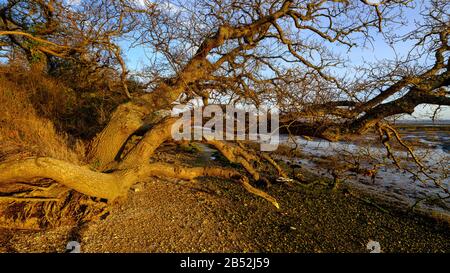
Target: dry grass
26,131
23,132
81,110
43,115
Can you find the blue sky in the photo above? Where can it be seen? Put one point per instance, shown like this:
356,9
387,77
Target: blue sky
378,50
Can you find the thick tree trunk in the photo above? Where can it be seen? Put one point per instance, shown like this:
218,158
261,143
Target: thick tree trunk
110,173
142,152
125,120
79,178
141,111
114,185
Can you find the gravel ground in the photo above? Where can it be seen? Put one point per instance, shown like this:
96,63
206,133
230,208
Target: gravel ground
219,216
215,215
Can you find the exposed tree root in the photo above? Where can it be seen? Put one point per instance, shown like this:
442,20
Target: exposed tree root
272,162
69,209
258,192
27,199
169,170
236,154
79,178
109,185
252,155
242,155
112,172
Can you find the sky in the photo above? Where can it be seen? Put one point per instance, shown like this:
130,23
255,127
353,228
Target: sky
378,50
381,50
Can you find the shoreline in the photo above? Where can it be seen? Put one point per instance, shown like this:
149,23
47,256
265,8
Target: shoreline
217,215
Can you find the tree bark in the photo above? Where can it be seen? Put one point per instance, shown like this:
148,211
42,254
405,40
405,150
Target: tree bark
79,178
125,120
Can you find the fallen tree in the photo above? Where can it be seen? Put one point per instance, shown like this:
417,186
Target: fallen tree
231,47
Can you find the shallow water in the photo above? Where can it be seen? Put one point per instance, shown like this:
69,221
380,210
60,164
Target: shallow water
439,139
389,182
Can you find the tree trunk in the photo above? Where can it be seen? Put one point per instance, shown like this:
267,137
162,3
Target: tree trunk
79,178
125,120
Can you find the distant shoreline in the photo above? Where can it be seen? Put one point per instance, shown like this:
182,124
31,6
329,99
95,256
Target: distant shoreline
423,122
